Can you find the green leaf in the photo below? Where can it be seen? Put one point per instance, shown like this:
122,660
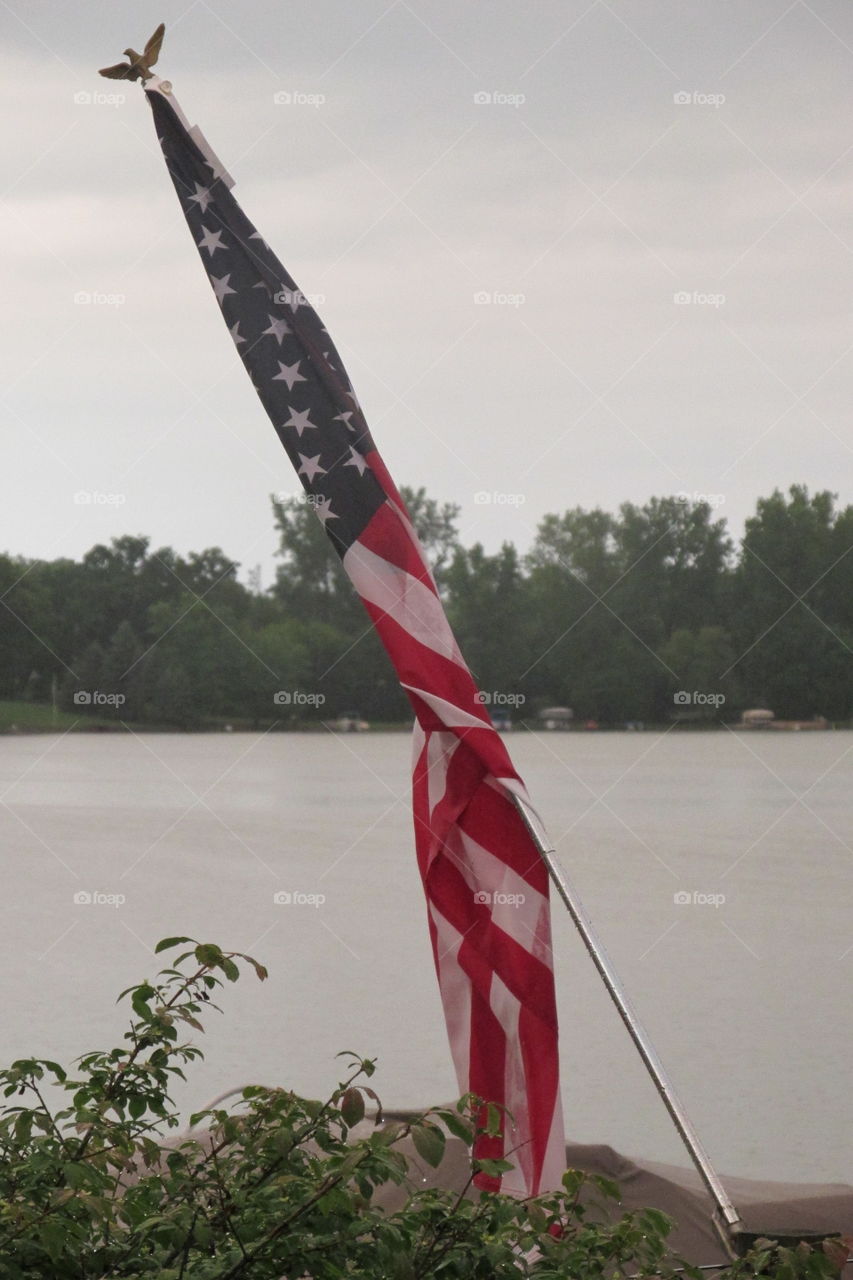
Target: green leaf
493,1120
165,943
229,968
136,1106
429,1143
207,953
493,1167
606,1186
458,1127
23,1128
654,1221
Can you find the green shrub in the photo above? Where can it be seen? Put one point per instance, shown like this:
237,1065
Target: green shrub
277,1189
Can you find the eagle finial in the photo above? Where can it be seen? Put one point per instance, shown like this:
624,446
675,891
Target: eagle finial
139,65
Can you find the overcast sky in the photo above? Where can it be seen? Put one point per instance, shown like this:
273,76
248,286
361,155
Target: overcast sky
629,151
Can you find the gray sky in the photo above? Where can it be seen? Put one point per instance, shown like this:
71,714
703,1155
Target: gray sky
581,199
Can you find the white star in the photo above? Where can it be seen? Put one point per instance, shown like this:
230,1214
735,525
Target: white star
324,510
357,460
289,373
300,421
256,235
345,419
211,240
234,334
354,398
221,286
310,467
202,196
278,328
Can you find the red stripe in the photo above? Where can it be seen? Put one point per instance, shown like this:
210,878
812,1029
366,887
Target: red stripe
386,535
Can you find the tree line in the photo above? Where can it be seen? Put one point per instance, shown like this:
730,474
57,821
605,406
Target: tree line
640,616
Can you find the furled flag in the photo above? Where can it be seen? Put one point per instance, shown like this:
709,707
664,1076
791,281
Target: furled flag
486,885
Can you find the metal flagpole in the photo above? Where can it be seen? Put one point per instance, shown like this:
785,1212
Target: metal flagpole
727,1219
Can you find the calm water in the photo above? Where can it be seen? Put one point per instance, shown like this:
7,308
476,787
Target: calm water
749,1000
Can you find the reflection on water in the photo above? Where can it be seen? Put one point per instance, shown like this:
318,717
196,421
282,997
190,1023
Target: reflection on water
718,869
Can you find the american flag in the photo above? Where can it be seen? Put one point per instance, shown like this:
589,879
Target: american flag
486,885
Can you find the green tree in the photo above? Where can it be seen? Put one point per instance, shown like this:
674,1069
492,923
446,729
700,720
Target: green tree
489,610
701,662
123,672
792,623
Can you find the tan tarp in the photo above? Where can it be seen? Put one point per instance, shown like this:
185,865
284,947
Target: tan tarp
765,1207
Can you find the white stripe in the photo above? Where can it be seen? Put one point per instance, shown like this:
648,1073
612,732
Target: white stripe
519,1181
516,907
408,601
455,986
506,1009
448,712
439,754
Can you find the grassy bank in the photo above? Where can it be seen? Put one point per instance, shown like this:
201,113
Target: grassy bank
33,717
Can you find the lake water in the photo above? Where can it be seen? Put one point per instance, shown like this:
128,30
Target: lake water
748,1000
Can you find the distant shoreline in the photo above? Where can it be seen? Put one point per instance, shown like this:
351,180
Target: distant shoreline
35,718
